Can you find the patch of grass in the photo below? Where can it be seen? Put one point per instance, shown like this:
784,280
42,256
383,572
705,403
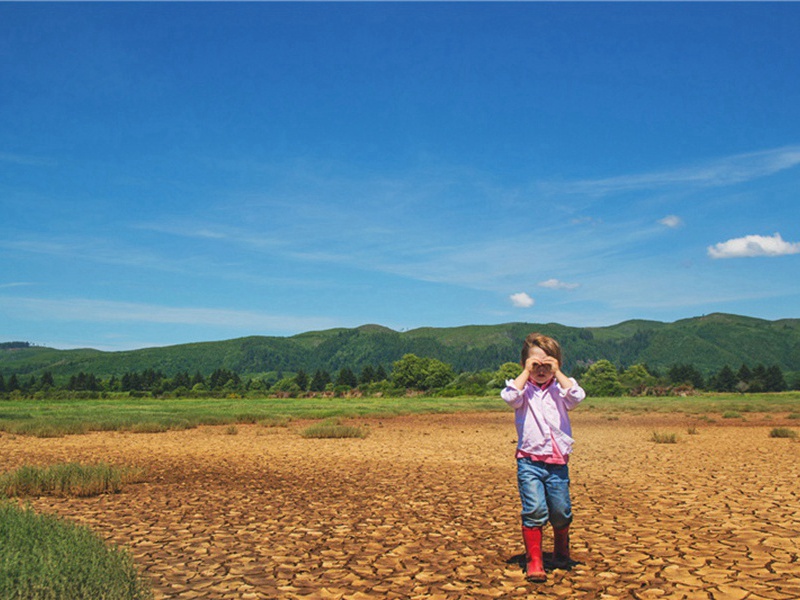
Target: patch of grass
43,557
333,429
231,430
67,479
783,432
692,431
793,416
148,427
664,438
731,414
276,421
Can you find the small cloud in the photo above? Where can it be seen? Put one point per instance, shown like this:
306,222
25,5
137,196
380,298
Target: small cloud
521,300
555,284
754,245
671,221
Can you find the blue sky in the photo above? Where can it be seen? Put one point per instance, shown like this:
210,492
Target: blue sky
179,172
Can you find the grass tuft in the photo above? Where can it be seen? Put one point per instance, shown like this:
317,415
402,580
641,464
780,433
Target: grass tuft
333,429
67,479
783,432
45,557
664,438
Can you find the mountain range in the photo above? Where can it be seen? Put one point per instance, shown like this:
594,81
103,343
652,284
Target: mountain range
708,343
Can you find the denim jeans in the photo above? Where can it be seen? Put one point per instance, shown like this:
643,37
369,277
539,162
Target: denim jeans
544,491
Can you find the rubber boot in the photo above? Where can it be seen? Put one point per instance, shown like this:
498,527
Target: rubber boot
534,566
561,547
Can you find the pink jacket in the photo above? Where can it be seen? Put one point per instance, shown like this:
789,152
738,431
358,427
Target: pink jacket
541,416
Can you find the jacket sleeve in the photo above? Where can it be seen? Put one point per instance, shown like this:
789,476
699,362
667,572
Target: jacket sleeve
572,396
512,396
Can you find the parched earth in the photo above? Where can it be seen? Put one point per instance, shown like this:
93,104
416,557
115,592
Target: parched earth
427,507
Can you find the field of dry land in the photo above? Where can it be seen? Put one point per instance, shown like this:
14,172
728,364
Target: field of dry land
426,506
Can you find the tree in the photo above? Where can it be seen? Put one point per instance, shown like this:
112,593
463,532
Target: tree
506,371
320,381
773,380
367,375
301,379
636,378
413,372
682,374
602,379
346,378
724,381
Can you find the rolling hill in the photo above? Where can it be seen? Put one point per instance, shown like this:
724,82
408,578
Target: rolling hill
708,342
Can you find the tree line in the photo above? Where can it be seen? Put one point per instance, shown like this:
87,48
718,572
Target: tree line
410,373
604,379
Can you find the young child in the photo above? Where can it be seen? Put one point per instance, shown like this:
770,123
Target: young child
541,397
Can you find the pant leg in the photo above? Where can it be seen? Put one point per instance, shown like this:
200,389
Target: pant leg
531,478
557,496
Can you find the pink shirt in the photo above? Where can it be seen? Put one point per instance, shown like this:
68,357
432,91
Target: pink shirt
544,431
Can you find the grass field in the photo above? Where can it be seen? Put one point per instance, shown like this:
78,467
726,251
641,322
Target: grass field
55,418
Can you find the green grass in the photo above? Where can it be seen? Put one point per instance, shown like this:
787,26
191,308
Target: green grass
783,432
43,557
49,418
67,479
333,429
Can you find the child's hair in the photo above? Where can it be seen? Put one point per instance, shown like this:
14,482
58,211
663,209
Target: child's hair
547,344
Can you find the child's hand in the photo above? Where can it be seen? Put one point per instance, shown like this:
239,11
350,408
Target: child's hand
552,362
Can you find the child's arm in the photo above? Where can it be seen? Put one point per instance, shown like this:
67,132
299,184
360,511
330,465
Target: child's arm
523,377
564,381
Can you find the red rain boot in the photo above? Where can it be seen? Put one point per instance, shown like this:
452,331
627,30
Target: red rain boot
561,547
534,566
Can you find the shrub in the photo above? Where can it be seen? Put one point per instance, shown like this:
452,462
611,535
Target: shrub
783,432
664,438
45,557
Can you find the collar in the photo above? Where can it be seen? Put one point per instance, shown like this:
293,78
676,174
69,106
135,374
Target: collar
544,386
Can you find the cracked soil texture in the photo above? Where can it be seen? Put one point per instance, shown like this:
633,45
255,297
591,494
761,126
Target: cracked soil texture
427,507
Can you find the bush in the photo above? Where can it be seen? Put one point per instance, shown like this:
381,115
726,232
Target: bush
783,432
46,558
664,438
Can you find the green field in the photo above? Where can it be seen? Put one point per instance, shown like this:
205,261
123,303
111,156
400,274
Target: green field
52,418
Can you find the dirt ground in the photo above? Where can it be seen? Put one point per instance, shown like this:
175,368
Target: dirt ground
427,507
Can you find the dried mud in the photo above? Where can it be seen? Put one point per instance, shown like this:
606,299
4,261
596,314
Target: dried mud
427,507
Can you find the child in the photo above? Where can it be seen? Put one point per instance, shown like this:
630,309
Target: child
541,397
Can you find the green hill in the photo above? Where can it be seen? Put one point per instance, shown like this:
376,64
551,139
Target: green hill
707,342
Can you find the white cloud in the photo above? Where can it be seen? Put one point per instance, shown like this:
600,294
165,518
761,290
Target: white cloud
671,221
521,300
555,284
104,311
754,245
724,171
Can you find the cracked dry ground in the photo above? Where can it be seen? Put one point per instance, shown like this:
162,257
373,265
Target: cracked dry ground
427,507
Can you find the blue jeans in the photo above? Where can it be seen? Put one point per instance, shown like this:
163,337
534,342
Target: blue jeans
544,491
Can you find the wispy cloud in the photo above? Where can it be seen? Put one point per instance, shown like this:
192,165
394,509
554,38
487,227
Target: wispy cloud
15,284
671,221
521,300
555,284
754,245
724,171
108,311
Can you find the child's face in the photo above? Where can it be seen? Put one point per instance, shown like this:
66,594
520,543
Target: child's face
540,365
